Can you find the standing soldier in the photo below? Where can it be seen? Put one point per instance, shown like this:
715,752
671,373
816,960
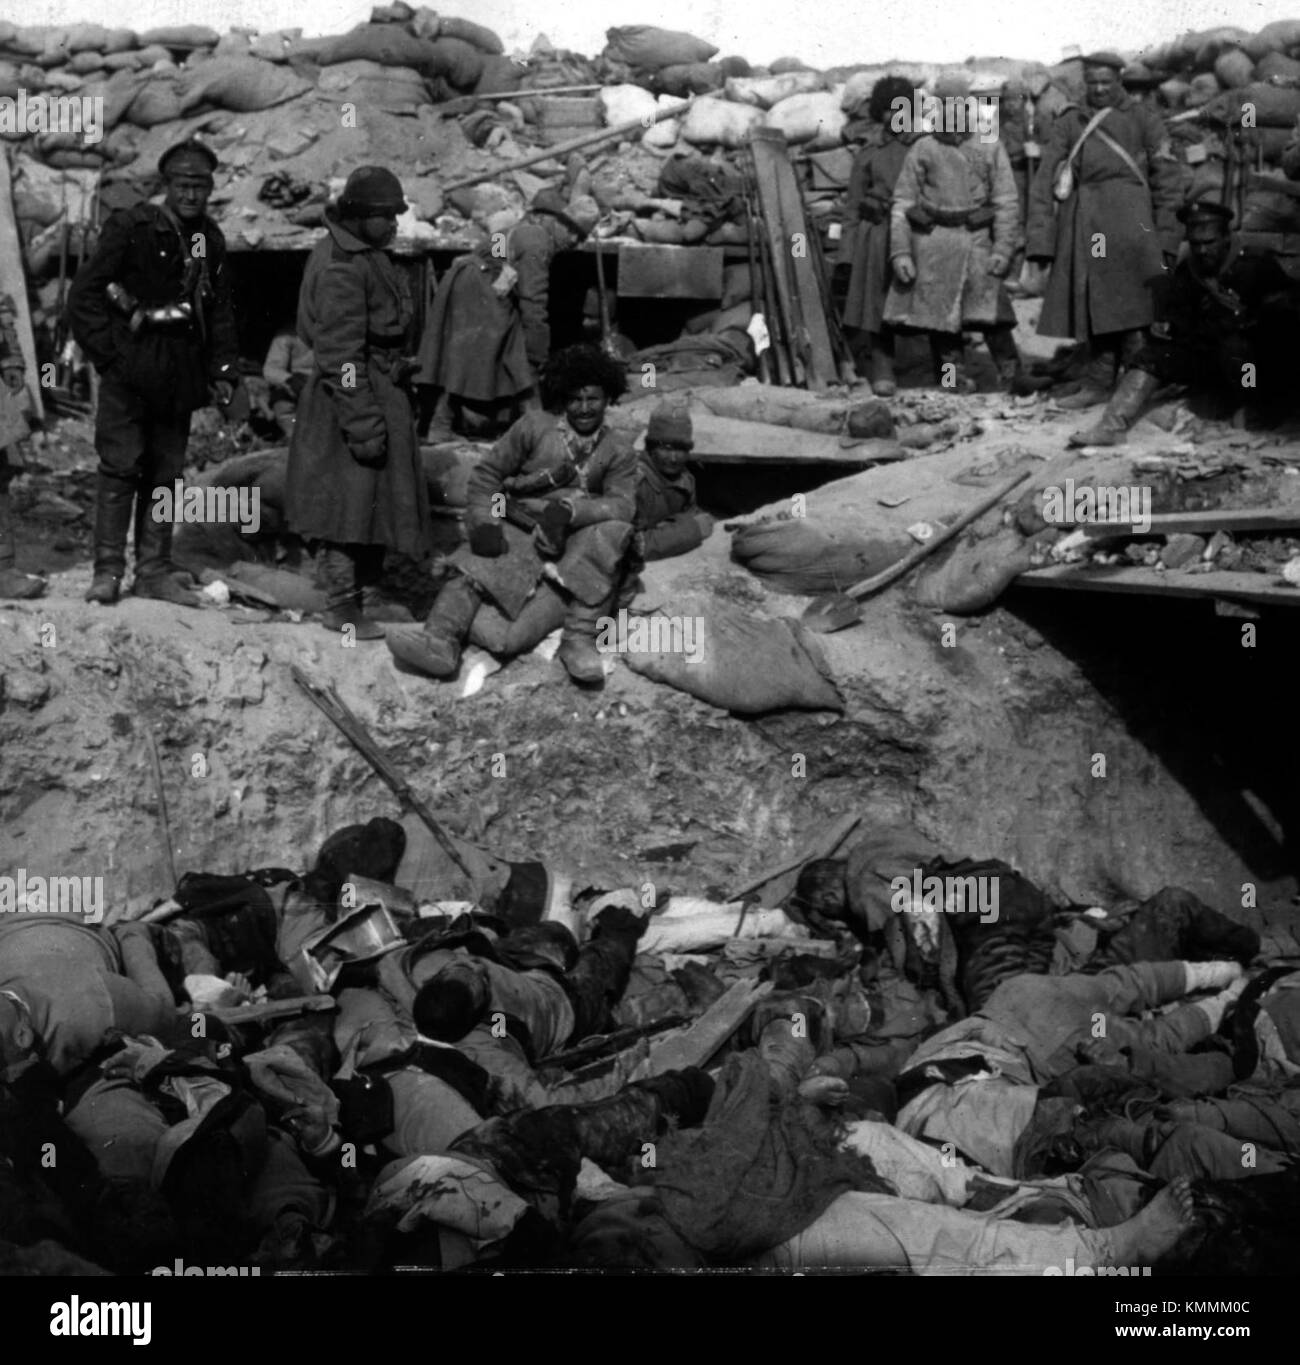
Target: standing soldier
13,427
952,235
1101,216
871,188
489,330
354,481
152,311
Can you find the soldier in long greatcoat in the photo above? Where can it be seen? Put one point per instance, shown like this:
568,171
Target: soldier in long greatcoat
1109,238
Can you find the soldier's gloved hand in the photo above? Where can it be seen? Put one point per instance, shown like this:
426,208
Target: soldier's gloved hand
705,523
223,391
998,265
904,269
488,540
15,378
372,453
553,529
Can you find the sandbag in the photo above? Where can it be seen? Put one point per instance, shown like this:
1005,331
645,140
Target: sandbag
467,31
668,232
623,103
181,37
118,93
805,555
240,84
289,591
153,53
650,48
1233,68
1273,106
974,574
1201,90
814,119
721,122
22,42
86,64
784,65
1279,36
664,134
766,91
1213,44
156,101
386,44
734,66
123,61
1277,66
740,662
500,76
464,62
393,89
697,78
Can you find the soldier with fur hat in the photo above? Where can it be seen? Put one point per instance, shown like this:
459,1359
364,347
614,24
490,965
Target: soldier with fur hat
152,311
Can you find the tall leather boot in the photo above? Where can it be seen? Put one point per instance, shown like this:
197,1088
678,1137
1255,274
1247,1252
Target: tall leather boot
155,574
578,653
434,648
1098,381
1122,411
880,365
14,586
113,498
339,576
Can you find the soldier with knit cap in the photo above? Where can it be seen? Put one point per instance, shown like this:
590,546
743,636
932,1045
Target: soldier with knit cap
668,520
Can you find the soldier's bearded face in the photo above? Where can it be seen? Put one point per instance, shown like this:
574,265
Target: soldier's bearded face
584,409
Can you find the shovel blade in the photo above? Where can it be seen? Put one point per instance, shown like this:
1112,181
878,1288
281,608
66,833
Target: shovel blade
834,611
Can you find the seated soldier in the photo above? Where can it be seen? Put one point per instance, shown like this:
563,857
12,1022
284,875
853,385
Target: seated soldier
668,519
553,500
1225,322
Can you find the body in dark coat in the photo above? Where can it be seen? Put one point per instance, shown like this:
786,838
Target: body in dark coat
353,311
1089,294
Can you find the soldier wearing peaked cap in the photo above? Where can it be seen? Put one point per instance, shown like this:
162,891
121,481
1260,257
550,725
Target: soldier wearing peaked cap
1101,217
355,485
1225,319
152,311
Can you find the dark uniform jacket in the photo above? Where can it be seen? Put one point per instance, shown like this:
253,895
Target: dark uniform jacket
353,311
158,261
1207,329
871,188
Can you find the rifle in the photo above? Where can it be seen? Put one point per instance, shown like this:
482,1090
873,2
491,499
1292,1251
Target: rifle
607,343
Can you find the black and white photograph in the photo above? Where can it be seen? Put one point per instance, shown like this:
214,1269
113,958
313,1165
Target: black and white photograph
650,641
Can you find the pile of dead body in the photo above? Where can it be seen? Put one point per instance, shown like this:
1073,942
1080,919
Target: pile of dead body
921,1064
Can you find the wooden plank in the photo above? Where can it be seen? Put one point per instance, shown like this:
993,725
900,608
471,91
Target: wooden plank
706,1035
783,210
1235,587
1199,523
13,281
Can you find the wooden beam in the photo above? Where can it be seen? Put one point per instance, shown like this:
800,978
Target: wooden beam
13,281
1222,583
1231,520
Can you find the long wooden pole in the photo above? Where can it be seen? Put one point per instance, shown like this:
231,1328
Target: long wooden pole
575,144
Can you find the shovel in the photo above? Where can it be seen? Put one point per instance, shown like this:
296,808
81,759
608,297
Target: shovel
836,610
